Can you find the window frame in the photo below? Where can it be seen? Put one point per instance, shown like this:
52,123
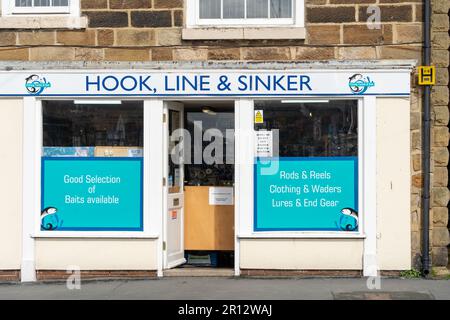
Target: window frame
33,111
193,18
283,232
366,132
10,9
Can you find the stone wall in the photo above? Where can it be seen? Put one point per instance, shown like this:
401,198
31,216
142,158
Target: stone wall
439,234
150,30
141,30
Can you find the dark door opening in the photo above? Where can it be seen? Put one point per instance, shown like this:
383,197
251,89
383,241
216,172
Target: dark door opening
208,185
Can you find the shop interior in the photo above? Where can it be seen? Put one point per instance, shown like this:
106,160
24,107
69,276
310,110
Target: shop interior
208,168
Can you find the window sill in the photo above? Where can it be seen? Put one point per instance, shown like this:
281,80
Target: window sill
43,22
94,235
243,33
301,235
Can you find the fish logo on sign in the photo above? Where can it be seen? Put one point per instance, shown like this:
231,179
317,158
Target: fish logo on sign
35,85
349,220
359,84
50,219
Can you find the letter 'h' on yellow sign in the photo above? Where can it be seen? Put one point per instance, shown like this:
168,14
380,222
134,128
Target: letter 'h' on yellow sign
427,75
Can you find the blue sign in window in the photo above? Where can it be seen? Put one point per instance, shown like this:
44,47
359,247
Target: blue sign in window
92,194
306,193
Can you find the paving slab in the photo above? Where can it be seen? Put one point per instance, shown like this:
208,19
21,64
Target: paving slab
233,288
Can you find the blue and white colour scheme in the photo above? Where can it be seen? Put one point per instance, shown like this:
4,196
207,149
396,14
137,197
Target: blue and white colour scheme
208,83
92,194
306,194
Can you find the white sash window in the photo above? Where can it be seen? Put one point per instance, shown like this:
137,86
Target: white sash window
30,7
245,12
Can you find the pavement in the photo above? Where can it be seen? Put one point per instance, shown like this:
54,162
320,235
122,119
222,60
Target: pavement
230,288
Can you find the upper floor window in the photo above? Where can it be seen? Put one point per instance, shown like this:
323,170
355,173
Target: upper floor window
245,12
30,7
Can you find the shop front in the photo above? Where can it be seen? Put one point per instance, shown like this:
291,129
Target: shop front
251,168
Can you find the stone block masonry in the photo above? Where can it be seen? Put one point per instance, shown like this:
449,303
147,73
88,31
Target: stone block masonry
139,30
440,35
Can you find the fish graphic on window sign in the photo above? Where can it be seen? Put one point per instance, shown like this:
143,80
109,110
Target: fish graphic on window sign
49,219
347,224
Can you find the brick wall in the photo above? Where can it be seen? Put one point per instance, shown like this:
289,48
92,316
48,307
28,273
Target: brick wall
150,30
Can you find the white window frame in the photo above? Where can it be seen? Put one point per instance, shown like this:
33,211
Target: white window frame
193,18
366,168
9,9
33,134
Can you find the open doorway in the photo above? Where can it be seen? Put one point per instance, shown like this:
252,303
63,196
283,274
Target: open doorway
199,220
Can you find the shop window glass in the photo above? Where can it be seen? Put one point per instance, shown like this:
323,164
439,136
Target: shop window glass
67,124
92,166
306,170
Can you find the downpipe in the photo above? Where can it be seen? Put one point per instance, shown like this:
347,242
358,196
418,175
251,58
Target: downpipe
426,145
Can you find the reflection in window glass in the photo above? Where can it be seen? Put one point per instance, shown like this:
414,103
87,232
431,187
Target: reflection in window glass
60,3
281,8
24,3
257,9
111,130
233,9
245,9
312,129
41,3
210,9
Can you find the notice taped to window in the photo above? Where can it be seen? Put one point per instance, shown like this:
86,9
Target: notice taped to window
264,143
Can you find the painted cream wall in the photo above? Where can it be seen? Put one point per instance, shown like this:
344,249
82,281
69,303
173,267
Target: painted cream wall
302,254
393,184
11,120
96,254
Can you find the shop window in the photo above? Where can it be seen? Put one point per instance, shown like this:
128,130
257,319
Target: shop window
40,7
92,166
306,166
244,12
